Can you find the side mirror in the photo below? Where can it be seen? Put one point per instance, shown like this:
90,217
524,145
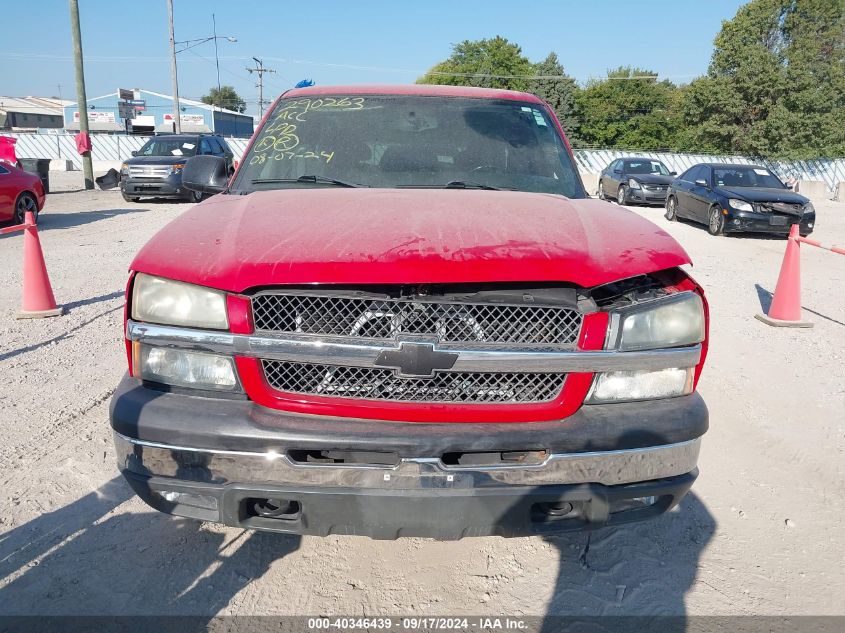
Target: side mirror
206,174
701,182
673,173
790,186
134,153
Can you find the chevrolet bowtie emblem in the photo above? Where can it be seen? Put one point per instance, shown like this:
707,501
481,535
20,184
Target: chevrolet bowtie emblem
416,360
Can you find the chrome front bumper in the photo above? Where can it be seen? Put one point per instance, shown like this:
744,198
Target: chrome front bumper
221,467
216,459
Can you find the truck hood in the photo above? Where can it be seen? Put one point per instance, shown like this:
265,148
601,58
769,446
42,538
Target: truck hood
391,236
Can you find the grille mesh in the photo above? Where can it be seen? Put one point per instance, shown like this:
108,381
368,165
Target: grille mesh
383,384
385,319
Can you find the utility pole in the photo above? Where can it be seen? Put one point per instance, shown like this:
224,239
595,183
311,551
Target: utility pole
259,68
81,99
216,56
177,117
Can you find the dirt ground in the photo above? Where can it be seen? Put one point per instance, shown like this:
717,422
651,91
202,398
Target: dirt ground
761,533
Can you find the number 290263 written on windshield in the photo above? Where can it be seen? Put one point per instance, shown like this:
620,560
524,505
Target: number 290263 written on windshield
280,140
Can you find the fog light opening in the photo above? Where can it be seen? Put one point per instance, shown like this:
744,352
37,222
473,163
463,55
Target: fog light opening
634,503
206,502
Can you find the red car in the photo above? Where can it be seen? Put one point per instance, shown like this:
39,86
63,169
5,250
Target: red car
20,192
464,345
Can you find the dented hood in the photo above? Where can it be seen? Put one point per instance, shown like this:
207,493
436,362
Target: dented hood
369,236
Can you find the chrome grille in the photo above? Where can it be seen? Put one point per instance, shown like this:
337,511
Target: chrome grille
149,171
383,384
389,318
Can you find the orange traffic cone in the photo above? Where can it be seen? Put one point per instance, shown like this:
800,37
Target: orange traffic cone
38,300
785,310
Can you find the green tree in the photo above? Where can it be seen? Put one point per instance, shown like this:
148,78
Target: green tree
776,83
558,89
489,63
226,97
629,109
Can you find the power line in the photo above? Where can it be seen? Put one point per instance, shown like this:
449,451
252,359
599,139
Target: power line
57,109
260,70
223,68
456,74
381,69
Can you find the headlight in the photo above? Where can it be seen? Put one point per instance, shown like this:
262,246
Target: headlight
624,386
124,168
809,208
633,184
740,205
175,169
168,302
184,369
670,322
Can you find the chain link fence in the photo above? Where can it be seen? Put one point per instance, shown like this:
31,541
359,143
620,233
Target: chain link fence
831,171
62,146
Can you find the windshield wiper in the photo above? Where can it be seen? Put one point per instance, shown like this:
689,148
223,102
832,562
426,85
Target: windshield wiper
457,184
306,178
469,184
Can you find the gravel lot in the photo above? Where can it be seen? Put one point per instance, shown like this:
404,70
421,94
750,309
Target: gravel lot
762,532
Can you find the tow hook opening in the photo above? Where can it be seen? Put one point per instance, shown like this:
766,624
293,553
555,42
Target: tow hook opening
499,458
282,509
554,511
634,503
348,458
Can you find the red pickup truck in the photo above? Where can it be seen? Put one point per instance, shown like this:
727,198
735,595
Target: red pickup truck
465,345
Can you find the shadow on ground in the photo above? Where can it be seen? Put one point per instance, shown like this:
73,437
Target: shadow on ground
86,559
149,563
50,221
641,569
765,298
63,191
90,300
69,333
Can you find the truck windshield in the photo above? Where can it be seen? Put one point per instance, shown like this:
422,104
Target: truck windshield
169,147
409,141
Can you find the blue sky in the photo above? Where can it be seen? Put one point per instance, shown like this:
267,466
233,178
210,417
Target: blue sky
334,42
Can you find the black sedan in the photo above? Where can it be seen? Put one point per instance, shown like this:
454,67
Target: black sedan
635,181
738,198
